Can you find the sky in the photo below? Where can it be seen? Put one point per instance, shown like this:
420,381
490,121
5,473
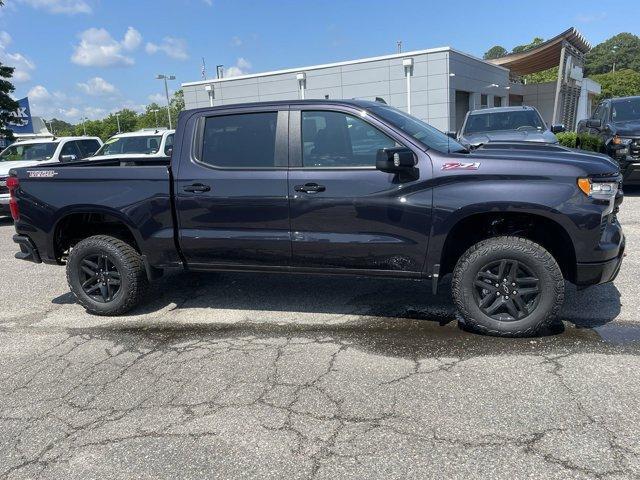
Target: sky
77,58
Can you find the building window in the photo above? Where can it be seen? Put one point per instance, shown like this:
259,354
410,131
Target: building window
484,102
497,101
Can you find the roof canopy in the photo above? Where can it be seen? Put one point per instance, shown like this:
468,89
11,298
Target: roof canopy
544,56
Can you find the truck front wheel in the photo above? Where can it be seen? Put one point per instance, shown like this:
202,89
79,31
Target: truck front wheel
507,286
106,275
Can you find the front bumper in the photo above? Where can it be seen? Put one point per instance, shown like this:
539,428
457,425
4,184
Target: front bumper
28,250
588,274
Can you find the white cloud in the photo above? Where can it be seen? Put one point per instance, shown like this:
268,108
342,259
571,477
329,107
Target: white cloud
97,86
208,2
97,48
5,39
70,7
23,66
241,67
132,39
236,41
171,46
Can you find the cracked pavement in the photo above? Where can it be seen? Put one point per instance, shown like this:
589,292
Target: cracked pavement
279,376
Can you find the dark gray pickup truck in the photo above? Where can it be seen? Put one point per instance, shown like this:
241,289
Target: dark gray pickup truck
330,187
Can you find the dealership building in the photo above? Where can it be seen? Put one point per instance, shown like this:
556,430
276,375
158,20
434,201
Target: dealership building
438,85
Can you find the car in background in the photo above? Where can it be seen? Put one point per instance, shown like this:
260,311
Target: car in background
27,153
154,142
617,122
506,124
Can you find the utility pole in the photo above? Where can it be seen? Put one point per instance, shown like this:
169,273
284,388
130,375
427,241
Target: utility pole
118,120
166,91
84,125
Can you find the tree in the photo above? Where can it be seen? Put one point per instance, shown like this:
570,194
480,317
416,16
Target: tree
151,118
549,75
60,128
523,48
622,83
496,51
7,104
623,49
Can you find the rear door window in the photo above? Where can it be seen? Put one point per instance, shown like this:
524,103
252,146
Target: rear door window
245,140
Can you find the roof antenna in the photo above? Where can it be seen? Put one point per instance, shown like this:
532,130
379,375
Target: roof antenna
203,70
399,45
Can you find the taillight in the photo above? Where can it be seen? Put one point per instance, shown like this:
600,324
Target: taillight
12,184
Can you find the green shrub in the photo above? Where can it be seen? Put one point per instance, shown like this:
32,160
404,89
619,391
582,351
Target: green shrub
586,141
567,139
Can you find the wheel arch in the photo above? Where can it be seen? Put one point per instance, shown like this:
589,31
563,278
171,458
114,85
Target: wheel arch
540,226
77,224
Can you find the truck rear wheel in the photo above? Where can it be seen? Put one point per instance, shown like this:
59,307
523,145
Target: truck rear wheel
507,286
106,275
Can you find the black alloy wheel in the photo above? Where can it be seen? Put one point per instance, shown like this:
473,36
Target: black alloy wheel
506,290
100,278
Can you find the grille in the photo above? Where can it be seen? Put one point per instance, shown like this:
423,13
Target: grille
3,186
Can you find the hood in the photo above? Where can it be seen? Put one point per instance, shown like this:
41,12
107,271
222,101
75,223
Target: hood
630,128
543,136
550,159
6,166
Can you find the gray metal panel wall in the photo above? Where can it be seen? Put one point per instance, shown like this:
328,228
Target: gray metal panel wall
367,80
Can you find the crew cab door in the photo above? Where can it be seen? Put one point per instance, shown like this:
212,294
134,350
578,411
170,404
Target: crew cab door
231,190
345,214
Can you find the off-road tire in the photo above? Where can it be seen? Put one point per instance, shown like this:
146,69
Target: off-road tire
551,285
133,278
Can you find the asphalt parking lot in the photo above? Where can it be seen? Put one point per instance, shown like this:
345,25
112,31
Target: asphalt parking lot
277,376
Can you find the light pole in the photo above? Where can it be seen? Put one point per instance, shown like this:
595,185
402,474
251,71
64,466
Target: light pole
615,47
166,91
118,120
84,125
155,112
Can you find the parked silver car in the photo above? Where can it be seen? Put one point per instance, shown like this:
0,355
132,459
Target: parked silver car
506,124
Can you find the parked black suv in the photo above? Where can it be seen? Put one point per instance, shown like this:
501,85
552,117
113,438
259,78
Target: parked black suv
331,187
617,122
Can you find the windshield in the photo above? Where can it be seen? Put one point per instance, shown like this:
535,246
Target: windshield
511,120
625,110
31,152
421,131
142,144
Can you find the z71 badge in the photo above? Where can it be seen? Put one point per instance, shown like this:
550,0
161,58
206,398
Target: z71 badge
41,173
461,166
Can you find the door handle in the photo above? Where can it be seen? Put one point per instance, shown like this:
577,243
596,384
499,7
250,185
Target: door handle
197,188
310,188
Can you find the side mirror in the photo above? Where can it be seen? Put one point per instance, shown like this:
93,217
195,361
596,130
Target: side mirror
453,135
559,128
67,158
168,151
395,160
594,123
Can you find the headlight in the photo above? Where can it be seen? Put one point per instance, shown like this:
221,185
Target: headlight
599,190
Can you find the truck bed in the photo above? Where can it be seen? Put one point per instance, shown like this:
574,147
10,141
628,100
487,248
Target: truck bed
133,191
